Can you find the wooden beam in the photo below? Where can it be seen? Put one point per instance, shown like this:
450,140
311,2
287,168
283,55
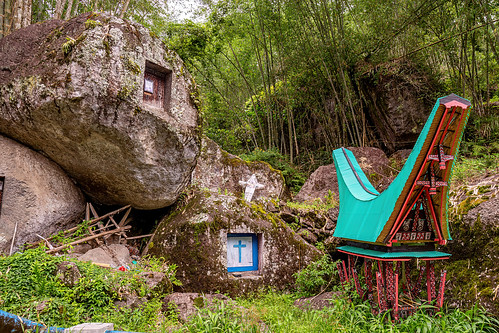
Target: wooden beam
93,211
86,239
87,212
137,237
123,220
94,221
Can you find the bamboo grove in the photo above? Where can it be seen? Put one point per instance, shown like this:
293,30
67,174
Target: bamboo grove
286,74
290,75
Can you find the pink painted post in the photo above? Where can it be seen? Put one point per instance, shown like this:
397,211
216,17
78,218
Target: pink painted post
430,280
440,297
396,307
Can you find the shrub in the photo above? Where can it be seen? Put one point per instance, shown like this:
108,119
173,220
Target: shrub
293,177
316,277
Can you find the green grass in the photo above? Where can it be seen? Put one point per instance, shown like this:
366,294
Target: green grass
469,168
279,314
30,288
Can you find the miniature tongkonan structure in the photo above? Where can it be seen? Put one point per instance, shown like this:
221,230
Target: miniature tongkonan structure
406,221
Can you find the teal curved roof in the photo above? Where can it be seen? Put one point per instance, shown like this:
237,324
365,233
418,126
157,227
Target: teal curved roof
369,253
364,212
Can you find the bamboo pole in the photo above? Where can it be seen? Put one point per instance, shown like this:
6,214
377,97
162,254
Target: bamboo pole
86,239
95,221
138,237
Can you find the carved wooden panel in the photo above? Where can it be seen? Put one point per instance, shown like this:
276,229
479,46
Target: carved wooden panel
157,86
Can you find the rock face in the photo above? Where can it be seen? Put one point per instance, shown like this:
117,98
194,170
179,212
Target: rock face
318,185
37,195
106,101
197,238
373,162
399,98
472,270
218,170
114,255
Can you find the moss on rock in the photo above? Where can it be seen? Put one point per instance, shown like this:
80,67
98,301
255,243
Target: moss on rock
472,271
194,238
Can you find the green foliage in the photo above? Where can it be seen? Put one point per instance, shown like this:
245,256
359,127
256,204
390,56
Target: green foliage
67,47
317,276
317,204
467,168
90,24
293,177
220,317
279,313
29,287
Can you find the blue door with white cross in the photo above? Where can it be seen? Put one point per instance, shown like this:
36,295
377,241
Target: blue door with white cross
242,252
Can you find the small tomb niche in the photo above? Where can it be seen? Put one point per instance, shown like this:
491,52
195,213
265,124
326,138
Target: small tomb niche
157,86
2,183
242,252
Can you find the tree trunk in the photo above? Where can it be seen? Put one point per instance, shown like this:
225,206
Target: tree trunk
59,6
21,15
67,15
125,7
26,13
2,15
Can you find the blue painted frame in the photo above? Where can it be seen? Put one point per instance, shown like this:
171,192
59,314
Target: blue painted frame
254,241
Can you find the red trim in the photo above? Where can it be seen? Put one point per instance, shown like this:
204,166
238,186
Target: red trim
391,259
456,103
438,258
396,309
441,289
405,215
375,258
447,126
398,221
436,225
453,150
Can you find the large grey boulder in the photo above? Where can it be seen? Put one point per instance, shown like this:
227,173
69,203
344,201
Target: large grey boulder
76,91
472,271
399,97
37,195
373,162
196,239
219,171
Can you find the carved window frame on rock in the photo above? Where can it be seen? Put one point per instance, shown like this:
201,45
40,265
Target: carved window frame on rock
157,86
254,252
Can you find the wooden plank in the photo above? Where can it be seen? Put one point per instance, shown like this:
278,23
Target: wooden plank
94,221
137,237
46,242
123,220
111,213
13,240
114,222
87,212
86,239
99,242
93,211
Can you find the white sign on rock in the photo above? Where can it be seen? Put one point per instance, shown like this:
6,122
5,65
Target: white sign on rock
251,185
239,251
